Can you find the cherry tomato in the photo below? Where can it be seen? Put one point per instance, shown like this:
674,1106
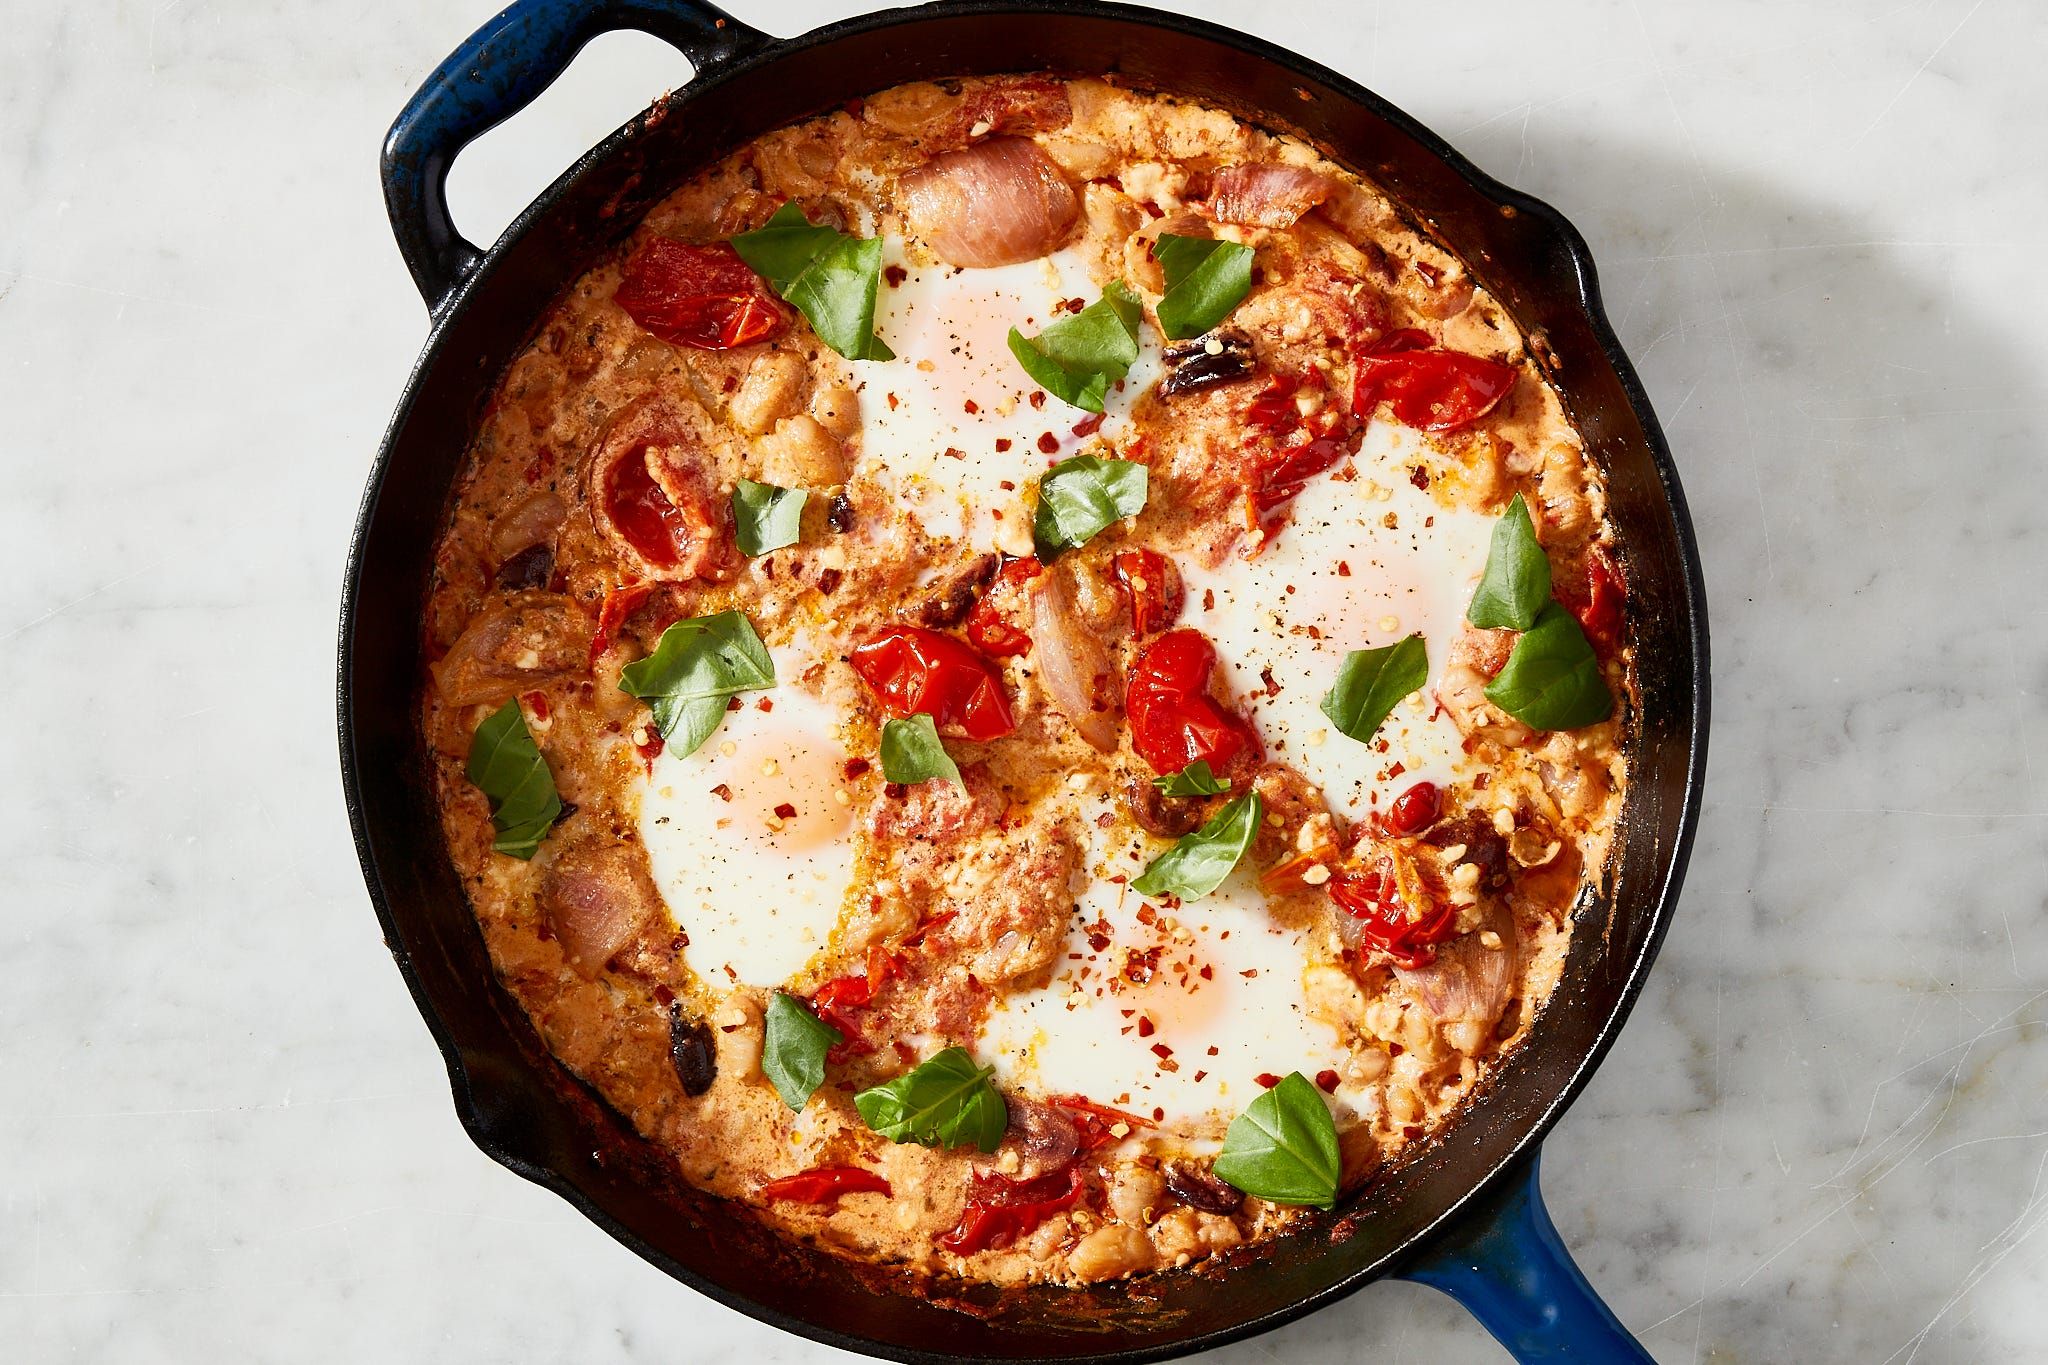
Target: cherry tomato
1372,896
701,296
824,1185
1096,1123
992,625
1600,611
619,604
1300,448
999,1211
1414,810
1174,720
1151,585
834,1003
912,669
1435,390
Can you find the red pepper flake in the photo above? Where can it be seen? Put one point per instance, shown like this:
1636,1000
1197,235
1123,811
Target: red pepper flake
663,996
1249,973
1161,1050
1208,599
722,792
895,275
1343,569
971,407
1200,1076
1479,782
1327,1080
1412,1132
1267,1080
786,811
1145,1029
856,767
765,705
1212,1052
735,704
892,402
1002,444
1089,425
1038,398
1049,443
1419,477
1208,974
828,581
954,453
1158,1114
536,702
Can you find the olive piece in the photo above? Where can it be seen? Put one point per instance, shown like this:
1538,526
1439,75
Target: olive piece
532,567
1207,361
839,513
1199,1189
1157,813
691,1047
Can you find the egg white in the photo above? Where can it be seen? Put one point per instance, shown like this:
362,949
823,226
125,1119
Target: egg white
1093,1029
758,894
950,330
1339,577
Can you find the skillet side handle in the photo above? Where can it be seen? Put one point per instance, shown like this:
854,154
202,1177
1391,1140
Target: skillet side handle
502,68
1505,1264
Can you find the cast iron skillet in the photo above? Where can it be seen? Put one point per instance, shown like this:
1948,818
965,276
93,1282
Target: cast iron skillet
1463,1214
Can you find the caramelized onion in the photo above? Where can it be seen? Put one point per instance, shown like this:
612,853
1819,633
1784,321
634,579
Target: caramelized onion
1073,662
1468,982
995,203
1264,194
526,641
596,896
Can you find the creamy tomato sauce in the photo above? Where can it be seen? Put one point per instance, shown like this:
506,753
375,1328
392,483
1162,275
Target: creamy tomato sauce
1324,470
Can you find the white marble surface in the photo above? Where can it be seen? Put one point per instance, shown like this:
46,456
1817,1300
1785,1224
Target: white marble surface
224,1133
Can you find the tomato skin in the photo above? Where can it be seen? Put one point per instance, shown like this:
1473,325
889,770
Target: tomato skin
1426,387
991,625
824,1185
913,669
1095,1122
619,604
1152,587
1372,896
1414,810
1174,720
700,296
999,1211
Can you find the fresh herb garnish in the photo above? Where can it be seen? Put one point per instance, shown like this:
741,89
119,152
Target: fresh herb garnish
765,517
1193,780
1205,279
793,1046
698,666
1372,682
1283,1147
1552,677
829,276
912,753
1079,499
506,766
946,1101
1197,863
1077,358
1516,584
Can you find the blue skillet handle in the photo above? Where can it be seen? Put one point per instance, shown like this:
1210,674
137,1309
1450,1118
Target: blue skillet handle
504,67
1504,1261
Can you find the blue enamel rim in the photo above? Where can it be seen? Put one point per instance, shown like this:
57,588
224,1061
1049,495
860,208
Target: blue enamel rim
1495,1250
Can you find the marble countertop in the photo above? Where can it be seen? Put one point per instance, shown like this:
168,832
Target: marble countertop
224,1132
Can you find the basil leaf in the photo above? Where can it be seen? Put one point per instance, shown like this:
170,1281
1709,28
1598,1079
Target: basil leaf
1516,584
947,1101
793,1046
911,752
505,764
1078,499
695,668
1205,279
1197,863
1193,780
1552,679
1077,358
765,517
1372,682
830,277
1283,1147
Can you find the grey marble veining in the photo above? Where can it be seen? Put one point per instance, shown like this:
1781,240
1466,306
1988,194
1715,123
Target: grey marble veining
224,1133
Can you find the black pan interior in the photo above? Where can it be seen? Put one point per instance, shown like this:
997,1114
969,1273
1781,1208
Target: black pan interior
526,1112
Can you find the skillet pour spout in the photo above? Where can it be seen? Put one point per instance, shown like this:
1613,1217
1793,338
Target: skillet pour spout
1463,1216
